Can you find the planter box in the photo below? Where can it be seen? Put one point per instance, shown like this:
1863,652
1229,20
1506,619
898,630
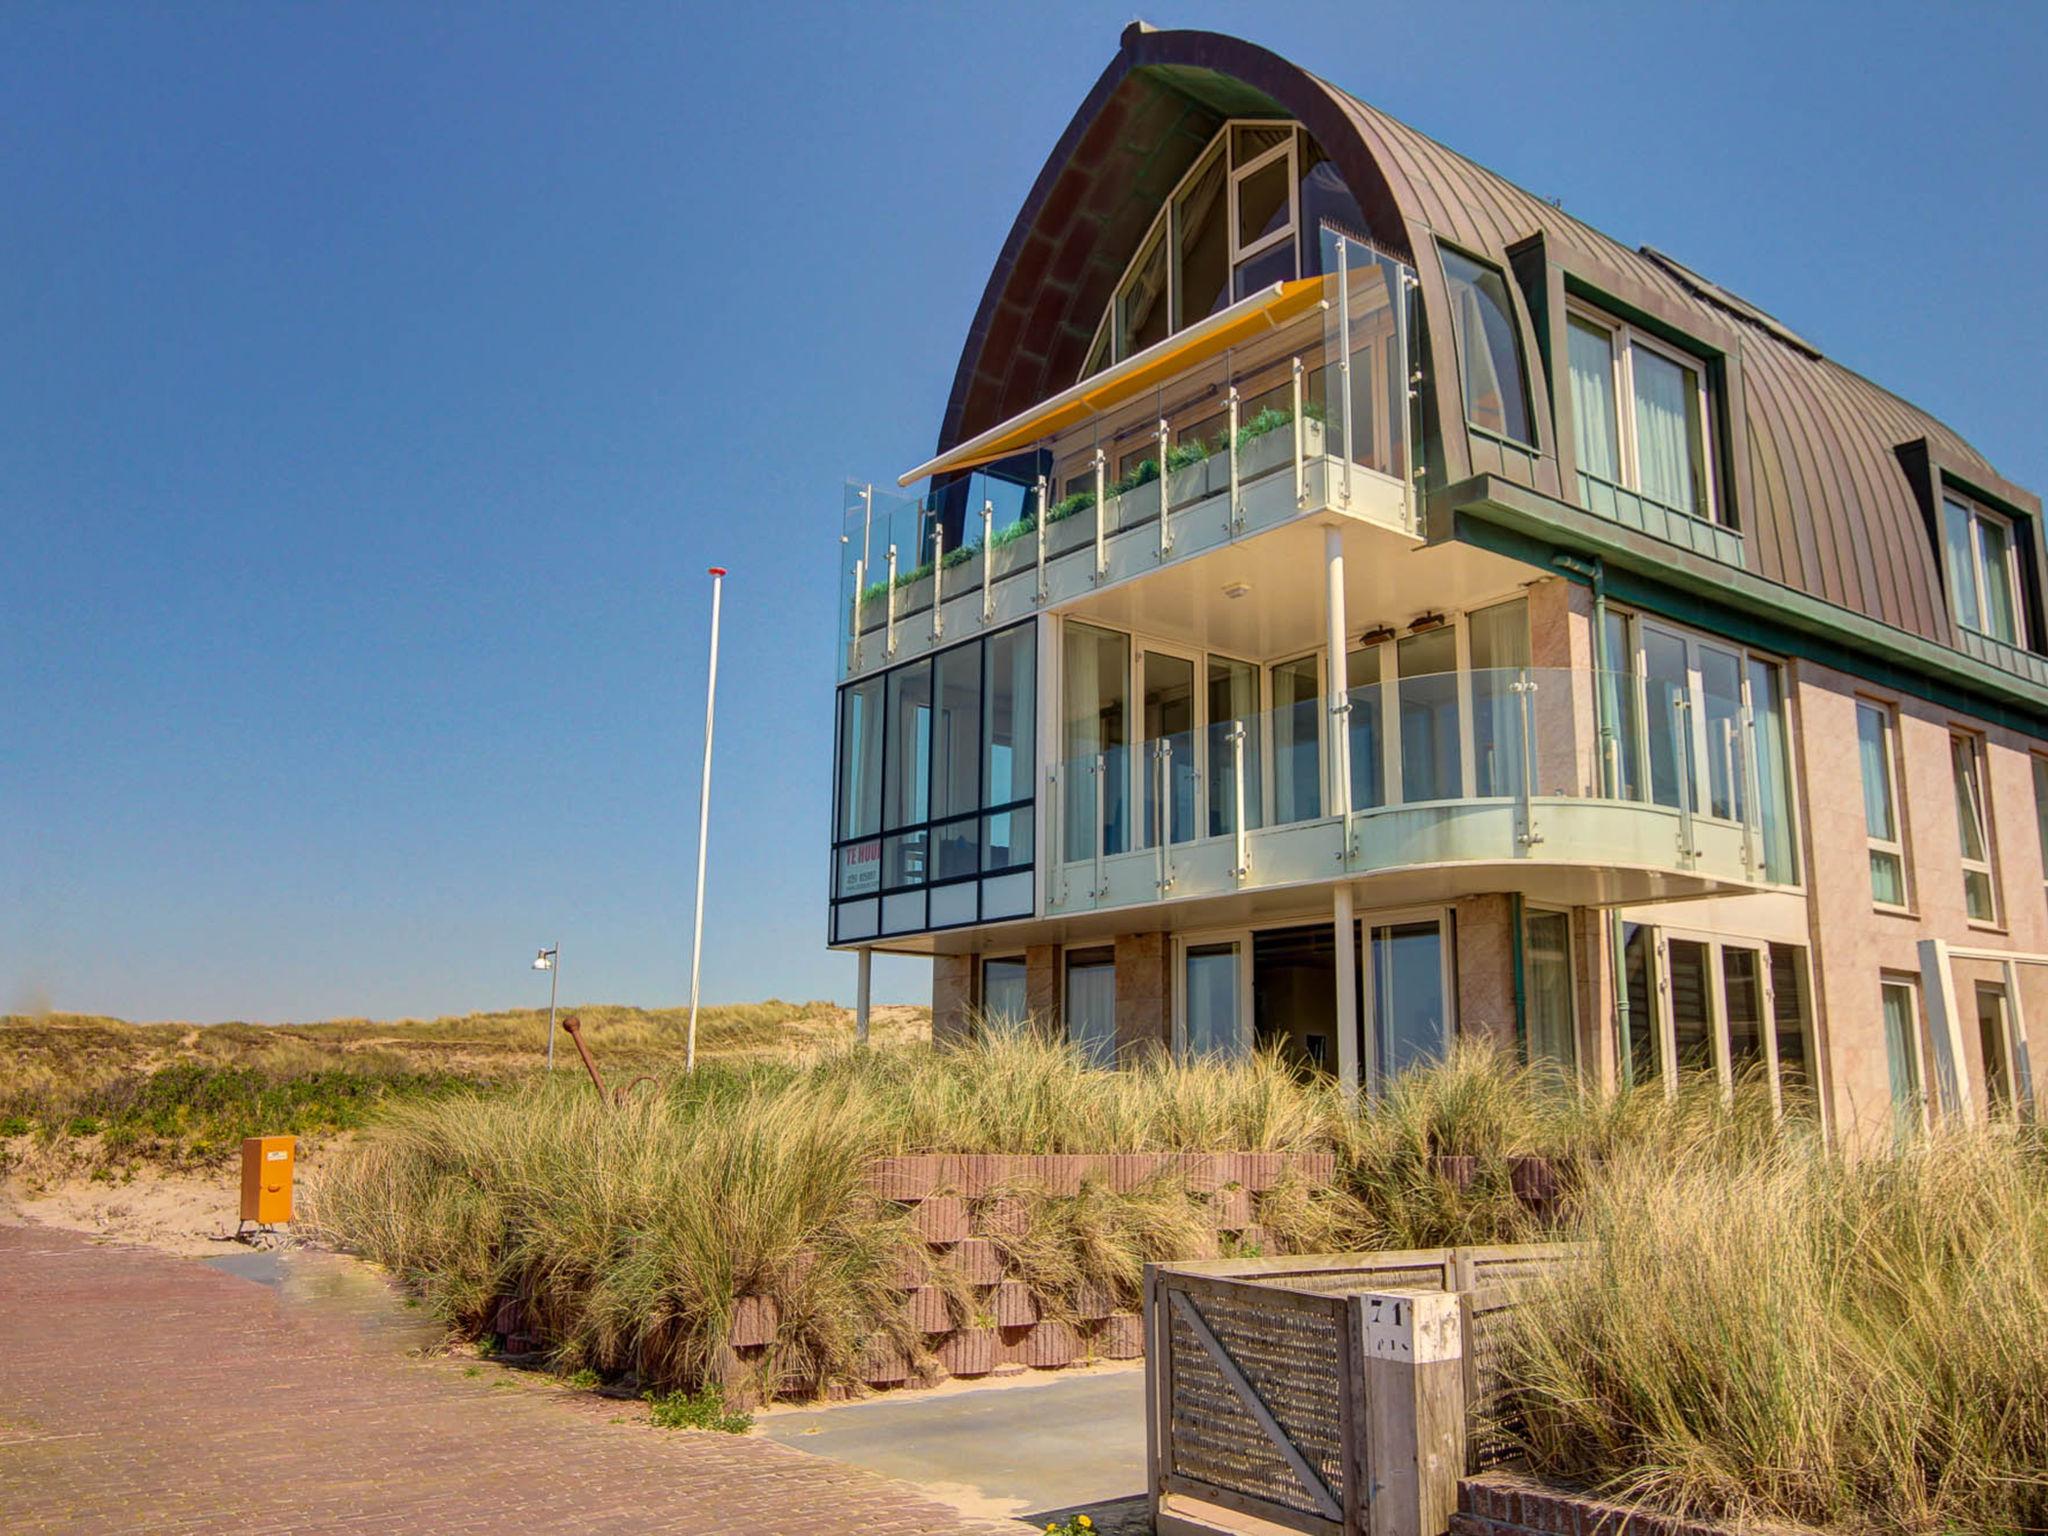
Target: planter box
1120,1336
1013,1304
1204,1171
1274,450
1459,1170
1093,1301
975,1260
1260,1171
1232,1208
1535,1183
1131,1170
970,1351
1197,482
510,1317
1257,1237
927,1310
754,1320
1050,1345
1316,1167
1004,1216
940,1219
983,1173
904,1178
883,1362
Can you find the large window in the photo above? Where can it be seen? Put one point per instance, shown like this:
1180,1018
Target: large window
1005,999
2040,766
934,825
1640,417
1981,555
1091,1003
1704,725
1730,1006
1995,1042
1973,827
1877,752
1489,348
1230,227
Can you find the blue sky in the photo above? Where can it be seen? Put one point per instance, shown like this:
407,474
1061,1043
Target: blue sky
376,383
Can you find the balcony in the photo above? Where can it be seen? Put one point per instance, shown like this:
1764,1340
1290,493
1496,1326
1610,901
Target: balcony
1294,403
1459,783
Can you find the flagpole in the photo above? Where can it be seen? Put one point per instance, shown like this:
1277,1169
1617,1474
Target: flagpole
704,818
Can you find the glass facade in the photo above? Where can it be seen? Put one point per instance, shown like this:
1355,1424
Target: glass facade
936,759
1489,348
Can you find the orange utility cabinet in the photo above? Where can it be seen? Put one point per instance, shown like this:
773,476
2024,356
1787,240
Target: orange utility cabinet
267,1179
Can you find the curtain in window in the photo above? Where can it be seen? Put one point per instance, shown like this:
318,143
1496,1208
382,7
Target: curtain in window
1773,772
1959,555
1546,938
2000,611
1900,1059
1500,658
1489,349
1664,440
1593,414
1097,667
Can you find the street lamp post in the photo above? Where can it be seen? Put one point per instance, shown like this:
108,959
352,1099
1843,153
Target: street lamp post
545,961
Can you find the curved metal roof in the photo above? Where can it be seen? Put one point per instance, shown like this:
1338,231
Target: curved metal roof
1821,494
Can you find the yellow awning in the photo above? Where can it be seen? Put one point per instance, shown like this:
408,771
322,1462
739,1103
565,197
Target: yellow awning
1266,310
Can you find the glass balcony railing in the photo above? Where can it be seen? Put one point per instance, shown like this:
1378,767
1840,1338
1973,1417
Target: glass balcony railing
1476,766
1316,409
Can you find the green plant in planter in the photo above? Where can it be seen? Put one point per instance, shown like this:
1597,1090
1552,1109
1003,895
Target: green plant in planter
1186,455
1067,506
1146,472
962,555
1269,418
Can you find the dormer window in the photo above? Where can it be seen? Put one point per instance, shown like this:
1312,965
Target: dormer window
1489,348
1640,415
1230,227
1980,554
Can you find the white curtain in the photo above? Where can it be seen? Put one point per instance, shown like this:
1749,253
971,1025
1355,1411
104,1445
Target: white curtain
1592,376
1664,443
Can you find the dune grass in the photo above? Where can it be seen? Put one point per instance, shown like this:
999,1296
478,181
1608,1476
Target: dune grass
631,1233
1776,1333
100,1096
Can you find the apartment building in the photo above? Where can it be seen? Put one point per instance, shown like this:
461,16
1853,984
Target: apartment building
1353,604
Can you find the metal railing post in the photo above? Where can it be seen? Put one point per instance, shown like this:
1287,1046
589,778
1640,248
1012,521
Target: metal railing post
1681,741
1165,498
988,561
1344,362
1101,513
860,581
1042,510
1236,501
938,573
1300,447
1243,862
1162,818
867,523
1055,810
1524,686
1101,824
889,648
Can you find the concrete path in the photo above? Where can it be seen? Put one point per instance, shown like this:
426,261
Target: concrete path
145,1393
1032,1449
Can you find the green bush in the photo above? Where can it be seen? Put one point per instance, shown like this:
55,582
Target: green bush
703,1409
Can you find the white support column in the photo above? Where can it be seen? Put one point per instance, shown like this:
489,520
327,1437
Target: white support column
1339,677
862,992
1347,994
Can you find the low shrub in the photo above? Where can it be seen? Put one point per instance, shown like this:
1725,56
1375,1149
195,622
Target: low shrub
697,1410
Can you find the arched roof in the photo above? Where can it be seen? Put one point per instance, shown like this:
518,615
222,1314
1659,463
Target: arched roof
1825,504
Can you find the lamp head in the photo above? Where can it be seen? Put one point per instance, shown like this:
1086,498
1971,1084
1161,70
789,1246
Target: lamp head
544,961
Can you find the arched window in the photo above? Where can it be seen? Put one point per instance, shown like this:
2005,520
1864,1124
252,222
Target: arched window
1231,226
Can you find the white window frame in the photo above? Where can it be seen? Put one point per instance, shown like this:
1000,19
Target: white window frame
2010,1109
1981,804
1716,944
2037,768
1623,339
1162,225
1286,149
1888,712
1141,755
1978,515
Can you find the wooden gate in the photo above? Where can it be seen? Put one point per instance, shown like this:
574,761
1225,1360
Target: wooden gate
1325,1394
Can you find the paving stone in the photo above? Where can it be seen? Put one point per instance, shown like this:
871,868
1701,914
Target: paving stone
144,1393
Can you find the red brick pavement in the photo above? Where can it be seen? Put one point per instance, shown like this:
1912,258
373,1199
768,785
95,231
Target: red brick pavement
144,1393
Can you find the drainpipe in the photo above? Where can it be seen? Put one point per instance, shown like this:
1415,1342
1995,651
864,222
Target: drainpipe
1594,574
1517,930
